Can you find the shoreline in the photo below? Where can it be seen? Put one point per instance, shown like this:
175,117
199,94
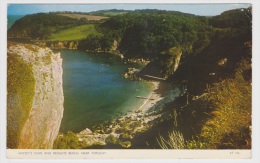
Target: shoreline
152,98
126,127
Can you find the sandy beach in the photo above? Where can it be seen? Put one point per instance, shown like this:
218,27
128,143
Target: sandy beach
132,123
152,98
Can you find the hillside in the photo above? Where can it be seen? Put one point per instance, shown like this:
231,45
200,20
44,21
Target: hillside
215,112
207,58
42,25
232,18
226,48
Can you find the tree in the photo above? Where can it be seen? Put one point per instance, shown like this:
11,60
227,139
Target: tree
106,42
67,141
169,60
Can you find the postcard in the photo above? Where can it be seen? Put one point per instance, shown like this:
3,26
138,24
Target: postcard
129,80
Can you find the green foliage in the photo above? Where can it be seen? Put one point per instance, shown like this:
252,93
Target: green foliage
20,93
196,144
117,143
91,43
106,42
96,43
233,18
231,99
41,25
202,42
149,34
112,140
125,144
146,33
168,60
228,125
221,117
126,136
67,141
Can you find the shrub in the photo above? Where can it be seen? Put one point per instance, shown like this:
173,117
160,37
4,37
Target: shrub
229,123
126,144
175,141
112,140
67,141
231,118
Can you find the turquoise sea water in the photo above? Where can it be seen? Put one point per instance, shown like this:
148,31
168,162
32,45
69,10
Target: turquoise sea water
95,90
11,19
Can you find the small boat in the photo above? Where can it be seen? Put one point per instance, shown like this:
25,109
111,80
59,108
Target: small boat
142,97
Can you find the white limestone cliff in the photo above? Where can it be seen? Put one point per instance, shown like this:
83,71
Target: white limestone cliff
42,124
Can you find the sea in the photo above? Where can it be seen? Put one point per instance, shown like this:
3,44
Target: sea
11,20
95,90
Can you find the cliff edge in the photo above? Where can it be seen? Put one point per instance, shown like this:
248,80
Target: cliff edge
35,96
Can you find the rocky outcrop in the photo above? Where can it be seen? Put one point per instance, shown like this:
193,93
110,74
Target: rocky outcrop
140,61
165,66
177,59
39,125
115,45
62,44
132,74
90,138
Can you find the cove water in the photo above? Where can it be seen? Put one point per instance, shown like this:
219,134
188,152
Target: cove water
95,89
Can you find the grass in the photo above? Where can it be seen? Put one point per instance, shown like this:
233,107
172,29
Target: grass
230,124
74,33
20,93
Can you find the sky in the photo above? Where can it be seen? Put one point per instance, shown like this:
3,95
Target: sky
197,9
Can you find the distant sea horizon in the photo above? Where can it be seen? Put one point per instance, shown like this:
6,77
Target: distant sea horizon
12,18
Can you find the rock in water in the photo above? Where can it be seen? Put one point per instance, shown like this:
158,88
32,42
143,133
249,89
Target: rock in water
35,96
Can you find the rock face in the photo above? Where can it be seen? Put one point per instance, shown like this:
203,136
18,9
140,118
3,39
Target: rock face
41,124
164,67
63,44
177,61
58,44
132,74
